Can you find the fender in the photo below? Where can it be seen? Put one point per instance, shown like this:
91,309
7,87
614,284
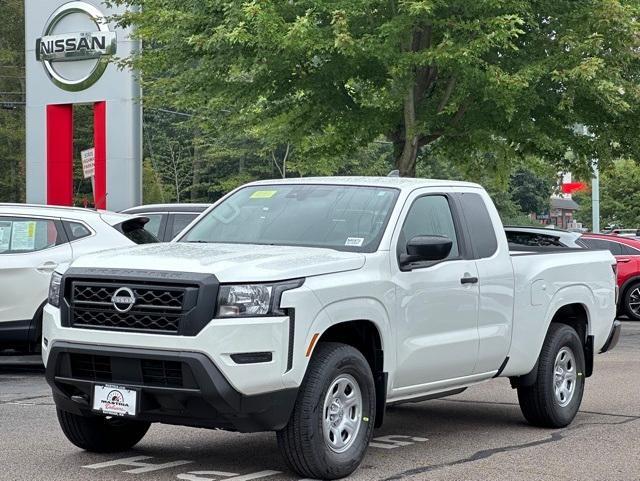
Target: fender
527,341
624,287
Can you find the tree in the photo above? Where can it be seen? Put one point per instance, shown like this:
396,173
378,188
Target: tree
619,197
454,77
12,88
530,190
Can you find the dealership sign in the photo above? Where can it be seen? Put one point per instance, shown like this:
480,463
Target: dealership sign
61,43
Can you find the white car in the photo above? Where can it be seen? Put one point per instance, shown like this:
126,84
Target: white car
305,306
34,241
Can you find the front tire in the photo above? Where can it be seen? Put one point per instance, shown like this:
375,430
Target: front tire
555,397
332,421
100,434
632,301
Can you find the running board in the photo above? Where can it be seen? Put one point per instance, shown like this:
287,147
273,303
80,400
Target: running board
428,397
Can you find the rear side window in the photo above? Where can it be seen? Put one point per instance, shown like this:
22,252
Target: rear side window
180,221
602,244
76,230
629,251
21,235
153,226
483,237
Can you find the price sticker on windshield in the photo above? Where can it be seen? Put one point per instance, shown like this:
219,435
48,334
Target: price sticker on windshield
354,241
263,194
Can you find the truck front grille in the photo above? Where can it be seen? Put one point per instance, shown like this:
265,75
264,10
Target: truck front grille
153,308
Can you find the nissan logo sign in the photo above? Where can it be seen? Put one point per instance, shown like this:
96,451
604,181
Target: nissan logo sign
93,45
123,299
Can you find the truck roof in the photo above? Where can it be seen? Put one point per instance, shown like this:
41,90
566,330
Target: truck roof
404,183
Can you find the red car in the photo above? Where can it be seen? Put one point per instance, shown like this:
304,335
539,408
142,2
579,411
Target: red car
627,252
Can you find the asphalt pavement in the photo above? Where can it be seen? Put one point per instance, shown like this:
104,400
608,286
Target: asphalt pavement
477,435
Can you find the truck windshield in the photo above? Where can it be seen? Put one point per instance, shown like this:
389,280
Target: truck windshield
342,217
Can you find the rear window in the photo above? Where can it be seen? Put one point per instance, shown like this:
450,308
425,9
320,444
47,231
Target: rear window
483,236
134,231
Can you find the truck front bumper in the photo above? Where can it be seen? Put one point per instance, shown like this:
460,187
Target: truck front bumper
614,337
184,388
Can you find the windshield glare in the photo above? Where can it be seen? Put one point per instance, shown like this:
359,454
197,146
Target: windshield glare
341,217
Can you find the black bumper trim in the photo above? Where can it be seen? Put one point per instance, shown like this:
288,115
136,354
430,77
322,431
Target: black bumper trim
614,337
210,403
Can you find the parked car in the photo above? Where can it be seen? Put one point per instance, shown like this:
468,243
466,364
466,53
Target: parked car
626,250
167,220
625,232
541,236
34,241
305,306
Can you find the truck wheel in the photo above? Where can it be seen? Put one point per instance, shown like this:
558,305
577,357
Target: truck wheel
332,420
632,301
101,434
554,398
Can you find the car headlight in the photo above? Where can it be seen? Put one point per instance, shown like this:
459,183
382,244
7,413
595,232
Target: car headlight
248,300
54,289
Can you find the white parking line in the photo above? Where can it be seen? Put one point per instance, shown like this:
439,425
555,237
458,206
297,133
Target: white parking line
135,461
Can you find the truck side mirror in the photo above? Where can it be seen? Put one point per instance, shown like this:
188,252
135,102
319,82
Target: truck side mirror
427,248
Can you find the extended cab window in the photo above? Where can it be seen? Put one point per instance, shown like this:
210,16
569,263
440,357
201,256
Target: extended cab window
19,235
429,215
483,236
341,217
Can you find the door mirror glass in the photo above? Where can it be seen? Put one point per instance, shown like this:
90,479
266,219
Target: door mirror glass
427,248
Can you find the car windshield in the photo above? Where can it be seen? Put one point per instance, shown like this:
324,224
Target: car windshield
341,217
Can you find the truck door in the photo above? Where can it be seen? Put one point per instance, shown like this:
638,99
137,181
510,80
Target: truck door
437,302
495,279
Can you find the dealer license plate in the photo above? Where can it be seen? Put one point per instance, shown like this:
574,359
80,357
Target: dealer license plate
115,400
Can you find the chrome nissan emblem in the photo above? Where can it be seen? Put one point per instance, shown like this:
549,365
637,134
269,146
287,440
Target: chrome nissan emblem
98,44
123,299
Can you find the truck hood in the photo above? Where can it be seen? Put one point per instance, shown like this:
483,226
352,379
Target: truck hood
228,262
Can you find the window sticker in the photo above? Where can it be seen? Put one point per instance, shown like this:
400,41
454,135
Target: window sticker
263,194
354,241
23,236
5,236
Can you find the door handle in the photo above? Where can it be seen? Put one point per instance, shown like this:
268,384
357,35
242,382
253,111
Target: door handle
469,280
47,267
624,260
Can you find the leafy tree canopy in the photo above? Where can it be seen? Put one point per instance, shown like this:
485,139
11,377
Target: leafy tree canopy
506,78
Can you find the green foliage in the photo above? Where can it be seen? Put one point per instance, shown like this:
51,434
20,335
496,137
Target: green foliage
12,119
504,79
530,190
619,197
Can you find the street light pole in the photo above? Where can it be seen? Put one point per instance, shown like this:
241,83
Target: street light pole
595,198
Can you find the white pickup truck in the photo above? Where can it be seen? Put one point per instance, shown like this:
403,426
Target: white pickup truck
306,306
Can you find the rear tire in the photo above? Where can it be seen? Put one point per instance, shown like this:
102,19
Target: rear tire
632,301
101,435
554,398
332,421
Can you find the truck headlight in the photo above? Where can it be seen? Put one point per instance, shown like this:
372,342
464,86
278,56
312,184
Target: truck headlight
248,300
54,289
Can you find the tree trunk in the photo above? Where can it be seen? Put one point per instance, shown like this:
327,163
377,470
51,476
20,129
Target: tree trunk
406,163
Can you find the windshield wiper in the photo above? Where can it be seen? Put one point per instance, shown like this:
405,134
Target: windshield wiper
198,242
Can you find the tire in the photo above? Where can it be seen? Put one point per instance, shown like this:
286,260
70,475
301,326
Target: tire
337,373
100,434
631,295
541,403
